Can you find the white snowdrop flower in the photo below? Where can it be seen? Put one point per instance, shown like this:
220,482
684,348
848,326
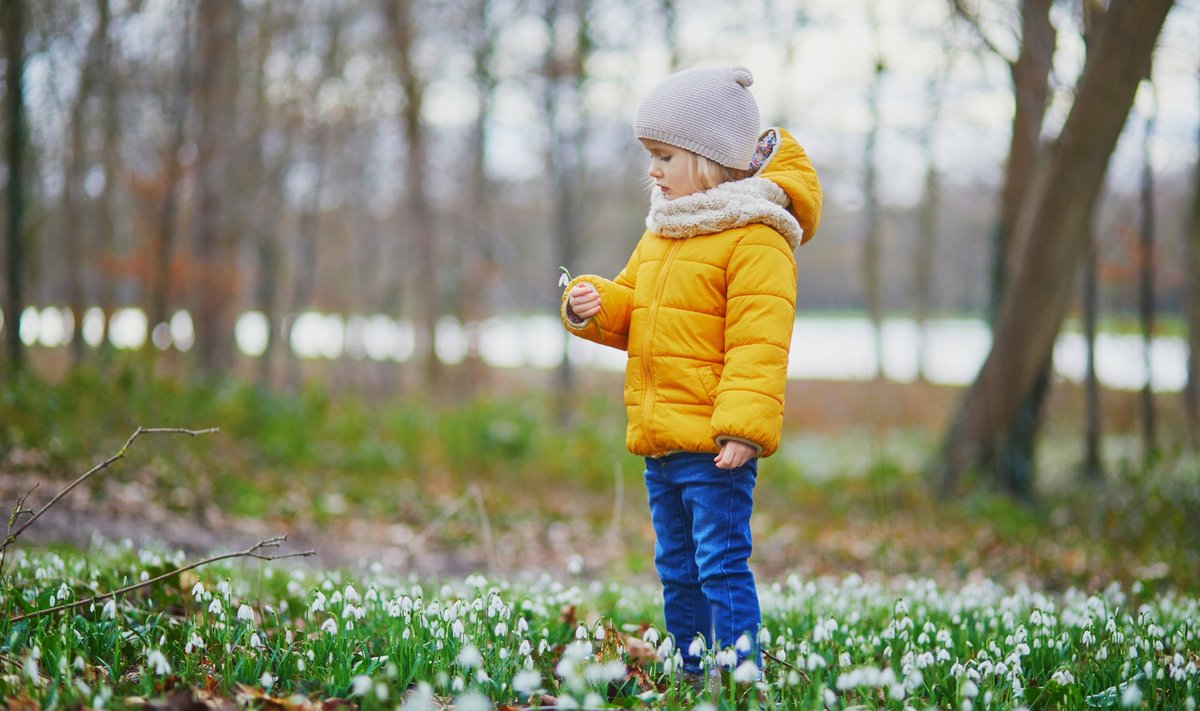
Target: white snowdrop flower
543,645
394,609
967,705
581,632
198,590
350,594
696,648
1148,669
318,603
214,607
600,631
223,587
742,644
574,564
482,676
503,653
726,658
522,626
764,636
527,682
957,670
525,649
746,673
194,642
158,663
267,680
1132,696
110,609
650,636
815,661
360,685
255,642
667,648
501,629
793,678
473,701
330,626
1063,677
827,696
970,690
245,614
470,657
1088,639
32,670
668,666
604,673
64,592
458,685
844,659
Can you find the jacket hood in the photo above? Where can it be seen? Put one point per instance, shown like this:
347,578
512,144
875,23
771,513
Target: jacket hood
788,166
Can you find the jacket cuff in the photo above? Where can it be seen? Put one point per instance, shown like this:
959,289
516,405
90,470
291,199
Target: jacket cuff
722,439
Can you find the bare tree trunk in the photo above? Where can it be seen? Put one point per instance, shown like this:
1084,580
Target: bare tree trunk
871,238
403,29
1093,464
926,250
565,77
14,31
1146,297
214,235
106,243
1052,240
160,299
478,259
75,163
671,19
1191,251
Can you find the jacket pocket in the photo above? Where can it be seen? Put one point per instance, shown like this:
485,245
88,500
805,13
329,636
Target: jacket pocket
709,380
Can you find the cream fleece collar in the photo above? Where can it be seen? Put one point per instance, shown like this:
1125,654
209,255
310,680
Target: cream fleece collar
734,204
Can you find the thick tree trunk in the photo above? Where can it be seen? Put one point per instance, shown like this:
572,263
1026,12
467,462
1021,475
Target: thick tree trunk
1011,455
1051,238
214,233
14,30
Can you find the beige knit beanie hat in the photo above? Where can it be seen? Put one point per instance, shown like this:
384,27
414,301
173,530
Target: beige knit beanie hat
706,110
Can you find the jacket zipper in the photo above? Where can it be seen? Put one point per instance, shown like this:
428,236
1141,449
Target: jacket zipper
651,323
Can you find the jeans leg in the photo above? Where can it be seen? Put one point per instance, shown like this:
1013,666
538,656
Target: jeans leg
686,608
721,502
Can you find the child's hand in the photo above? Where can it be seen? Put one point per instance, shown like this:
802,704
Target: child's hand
584,301
734,454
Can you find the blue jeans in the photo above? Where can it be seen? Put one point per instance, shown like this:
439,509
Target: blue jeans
701,517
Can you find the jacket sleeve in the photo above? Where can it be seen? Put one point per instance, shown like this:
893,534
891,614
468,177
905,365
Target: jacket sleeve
610,327
759,314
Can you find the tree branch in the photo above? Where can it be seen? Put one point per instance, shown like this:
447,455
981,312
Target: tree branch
251,552
12,534
969,17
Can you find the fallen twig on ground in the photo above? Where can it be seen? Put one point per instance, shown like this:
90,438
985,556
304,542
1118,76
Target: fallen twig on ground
251,552
19,509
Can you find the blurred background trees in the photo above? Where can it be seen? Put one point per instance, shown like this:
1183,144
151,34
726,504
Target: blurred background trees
433,163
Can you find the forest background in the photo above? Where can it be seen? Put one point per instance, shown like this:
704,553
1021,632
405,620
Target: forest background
315,224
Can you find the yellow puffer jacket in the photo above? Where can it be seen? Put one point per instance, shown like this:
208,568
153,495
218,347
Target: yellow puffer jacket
705,308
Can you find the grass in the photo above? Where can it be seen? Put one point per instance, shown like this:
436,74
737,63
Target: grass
282,634
845,528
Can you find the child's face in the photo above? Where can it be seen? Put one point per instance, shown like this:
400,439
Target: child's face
671,169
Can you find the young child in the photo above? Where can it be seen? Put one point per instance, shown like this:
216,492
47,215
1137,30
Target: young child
705,308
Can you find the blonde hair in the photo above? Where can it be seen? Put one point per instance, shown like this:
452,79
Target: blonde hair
706,172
